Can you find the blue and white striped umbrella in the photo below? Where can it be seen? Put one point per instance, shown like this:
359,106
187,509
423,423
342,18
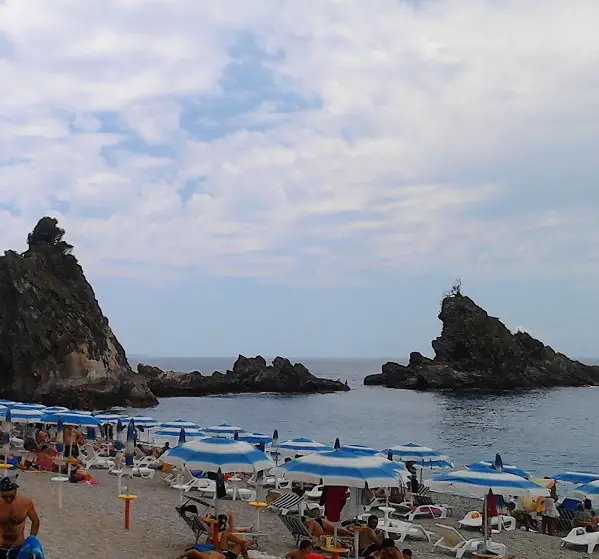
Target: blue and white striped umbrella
589,490
118,442
175,431
26,415
255,438
341,468
215,453
130,444
21,406
360,449
56,409
486,465
300,446
71,419
110,417
411,452
180,424
224,430
477,484
60,437
82,412
143,421
576,477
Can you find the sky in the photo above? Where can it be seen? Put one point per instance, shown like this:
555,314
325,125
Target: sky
308,178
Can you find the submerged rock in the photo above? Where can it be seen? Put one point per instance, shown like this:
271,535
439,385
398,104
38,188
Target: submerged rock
56,346
477,351
249,374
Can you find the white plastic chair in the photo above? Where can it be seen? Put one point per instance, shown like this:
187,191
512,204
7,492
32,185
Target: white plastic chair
91,458
451,540
579,536
405,529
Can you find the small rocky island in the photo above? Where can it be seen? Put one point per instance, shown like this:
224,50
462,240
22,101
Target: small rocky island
56,346
249,375
477,351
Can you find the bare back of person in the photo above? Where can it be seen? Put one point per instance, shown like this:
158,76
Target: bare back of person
12,521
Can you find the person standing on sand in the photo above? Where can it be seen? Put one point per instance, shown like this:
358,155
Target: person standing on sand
14,511
550,513
72,439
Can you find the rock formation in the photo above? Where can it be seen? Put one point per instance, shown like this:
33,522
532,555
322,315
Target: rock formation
248,375
476,351
56,346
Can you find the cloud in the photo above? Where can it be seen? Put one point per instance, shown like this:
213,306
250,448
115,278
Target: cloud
276,137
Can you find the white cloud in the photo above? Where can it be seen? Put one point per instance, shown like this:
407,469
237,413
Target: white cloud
408,145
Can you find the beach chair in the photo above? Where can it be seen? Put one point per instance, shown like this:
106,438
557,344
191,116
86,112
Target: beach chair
92,459
406,529
580,537
451,540
564,522
296,527
286,502
433,511
189,513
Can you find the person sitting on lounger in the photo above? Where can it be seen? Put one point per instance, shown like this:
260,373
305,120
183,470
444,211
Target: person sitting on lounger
231,540
318,526
305,548
370,539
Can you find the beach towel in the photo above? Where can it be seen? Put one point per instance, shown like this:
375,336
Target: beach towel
32,549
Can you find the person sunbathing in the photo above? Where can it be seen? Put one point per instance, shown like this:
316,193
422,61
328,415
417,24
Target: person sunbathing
195,554
231,540
318,526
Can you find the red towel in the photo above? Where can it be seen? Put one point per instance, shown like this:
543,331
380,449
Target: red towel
335,501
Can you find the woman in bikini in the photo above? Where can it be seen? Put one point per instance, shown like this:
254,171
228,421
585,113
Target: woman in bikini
232,541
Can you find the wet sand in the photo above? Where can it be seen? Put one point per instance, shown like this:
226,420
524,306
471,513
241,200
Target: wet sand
91,521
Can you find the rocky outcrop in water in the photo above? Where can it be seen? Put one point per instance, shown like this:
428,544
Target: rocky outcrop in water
56,346
249,374
476,351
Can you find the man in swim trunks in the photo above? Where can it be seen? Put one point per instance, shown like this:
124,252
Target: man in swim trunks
14,511
370,538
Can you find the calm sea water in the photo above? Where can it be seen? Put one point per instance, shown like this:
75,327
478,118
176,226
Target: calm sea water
545,431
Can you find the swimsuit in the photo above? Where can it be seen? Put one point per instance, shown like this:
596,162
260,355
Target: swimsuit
227,554
10,552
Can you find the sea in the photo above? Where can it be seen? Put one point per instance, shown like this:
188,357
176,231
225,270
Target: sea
544,431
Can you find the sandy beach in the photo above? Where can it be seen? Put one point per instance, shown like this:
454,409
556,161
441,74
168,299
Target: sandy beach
90,523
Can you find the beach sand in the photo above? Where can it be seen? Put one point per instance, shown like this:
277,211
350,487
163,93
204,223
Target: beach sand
91,521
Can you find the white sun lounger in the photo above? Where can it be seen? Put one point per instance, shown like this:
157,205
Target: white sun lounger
579,536
451,540
404,530
474,519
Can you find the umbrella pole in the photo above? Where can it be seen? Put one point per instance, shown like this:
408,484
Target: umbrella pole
486,520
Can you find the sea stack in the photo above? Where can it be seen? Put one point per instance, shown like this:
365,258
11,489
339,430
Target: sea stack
56,346
249,374
477,351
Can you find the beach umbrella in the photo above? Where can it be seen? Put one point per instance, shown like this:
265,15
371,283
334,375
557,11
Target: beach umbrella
118,443
20,406
576,477
255,438
341,468
589,490
30,415
477,484
70,418
178,424
301,446
360,449
173,432
109,417
275,438
143,421
224,430
181,437
56,409
484,465
130,444
411,452
214,453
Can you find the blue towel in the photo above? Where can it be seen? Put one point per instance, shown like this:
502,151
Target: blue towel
32,549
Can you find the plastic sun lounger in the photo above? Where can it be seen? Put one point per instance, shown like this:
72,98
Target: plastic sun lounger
286,502
296,528
189,513
407,529
451,540
579,536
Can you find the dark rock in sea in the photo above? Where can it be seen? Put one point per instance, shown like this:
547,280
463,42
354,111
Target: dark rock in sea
249,374
56,346
476,351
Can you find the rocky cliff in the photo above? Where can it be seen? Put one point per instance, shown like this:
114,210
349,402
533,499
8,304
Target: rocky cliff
476,351
56,346
248,375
